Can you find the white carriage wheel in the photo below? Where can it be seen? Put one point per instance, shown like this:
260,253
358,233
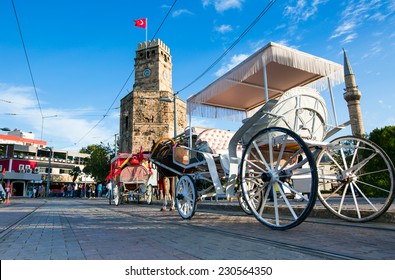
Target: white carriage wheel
185,197
356,179
278,168
256,201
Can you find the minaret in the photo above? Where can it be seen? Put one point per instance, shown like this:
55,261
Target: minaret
352,95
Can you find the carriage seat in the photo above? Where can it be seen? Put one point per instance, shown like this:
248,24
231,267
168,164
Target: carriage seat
216,142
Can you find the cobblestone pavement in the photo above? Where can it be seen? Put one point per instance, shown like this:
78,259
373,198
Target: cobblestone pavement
80,229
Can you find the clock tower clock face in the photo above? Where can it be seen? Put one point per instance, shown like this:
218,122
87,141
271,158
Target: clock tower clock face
165,75
146,72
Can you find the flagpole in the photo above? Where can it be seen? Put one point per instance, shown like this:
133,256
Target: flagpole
146,38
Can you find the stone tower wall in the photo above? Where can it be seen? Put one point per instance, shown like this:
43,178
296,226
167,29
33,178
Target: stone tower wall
156,57
144,116
145,119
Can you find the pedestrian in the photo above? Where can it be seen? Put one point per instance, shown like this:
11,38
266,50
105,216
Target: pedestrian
8,190
93,189
41,191
69,190
2,193
99,190
109,189
89,191
75,190
82,187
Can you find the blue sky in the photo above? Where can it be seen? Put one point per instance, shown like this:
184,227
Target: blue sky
81,54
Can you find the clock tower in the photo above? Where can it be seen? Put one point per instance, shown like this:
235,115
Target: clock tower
145,116
153,67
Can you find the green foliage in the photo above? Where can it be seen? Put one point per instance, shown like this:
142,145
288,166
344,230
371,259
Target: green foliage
385,138
75,172
98,165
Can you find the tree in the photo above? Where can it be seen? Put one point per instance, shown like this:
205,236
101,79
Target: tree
98,165
75,172
385,138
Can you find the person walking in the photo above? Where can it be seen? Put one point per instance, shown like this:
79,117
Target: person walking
2,193
8,190
93,189
41,191
99,190
89,191
109,189
69,190
82,187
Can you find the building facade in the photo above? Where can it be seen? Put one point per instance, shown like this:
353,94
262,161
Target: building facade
25,163
147,113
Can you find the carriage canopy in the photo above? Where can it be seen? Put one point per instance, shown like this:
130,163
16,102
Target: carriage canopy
243,88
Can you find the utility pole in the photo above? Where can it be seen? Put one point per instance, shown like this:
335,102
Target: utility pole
49,171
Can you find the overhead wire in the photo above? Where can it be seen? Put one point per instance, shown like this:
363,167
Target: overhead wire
164,19
27,58
254,22
124,85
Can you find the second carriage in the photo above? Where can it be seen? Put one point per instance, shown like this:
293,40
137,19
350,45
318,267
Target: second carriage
132,179
281,158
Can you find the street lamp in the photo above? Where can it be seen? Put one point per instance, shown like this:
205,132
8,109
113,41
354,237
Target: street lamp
49,171
167,99
115,143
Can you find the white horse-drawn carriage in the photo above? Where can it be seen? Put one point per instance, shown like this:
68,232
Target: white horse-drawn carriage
281,158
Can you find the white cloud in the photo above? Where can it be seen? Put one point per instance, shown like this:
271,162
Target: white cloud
349,38
235,60
223,5
224,28
182,12
344,28
355,14
64,130
302,10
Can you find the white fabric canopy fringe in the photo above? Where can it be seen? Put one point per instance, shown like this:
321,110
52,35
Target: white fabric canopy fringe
242,88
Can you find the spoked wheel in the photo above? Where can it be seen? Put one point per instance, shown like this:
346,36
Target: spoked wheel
356,179
278,177
148,194
256,201
185,197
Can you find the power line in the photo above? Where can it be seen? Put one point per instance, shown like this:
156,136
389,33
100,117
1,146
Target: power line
263,12
124,85
108,110
163,21
27,58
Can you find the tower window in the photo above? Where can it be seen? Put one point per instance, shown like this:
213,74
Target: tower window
126,122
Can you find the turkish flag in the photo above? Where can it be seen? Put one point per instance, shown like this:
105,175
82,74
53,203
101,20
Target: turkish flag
140,22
